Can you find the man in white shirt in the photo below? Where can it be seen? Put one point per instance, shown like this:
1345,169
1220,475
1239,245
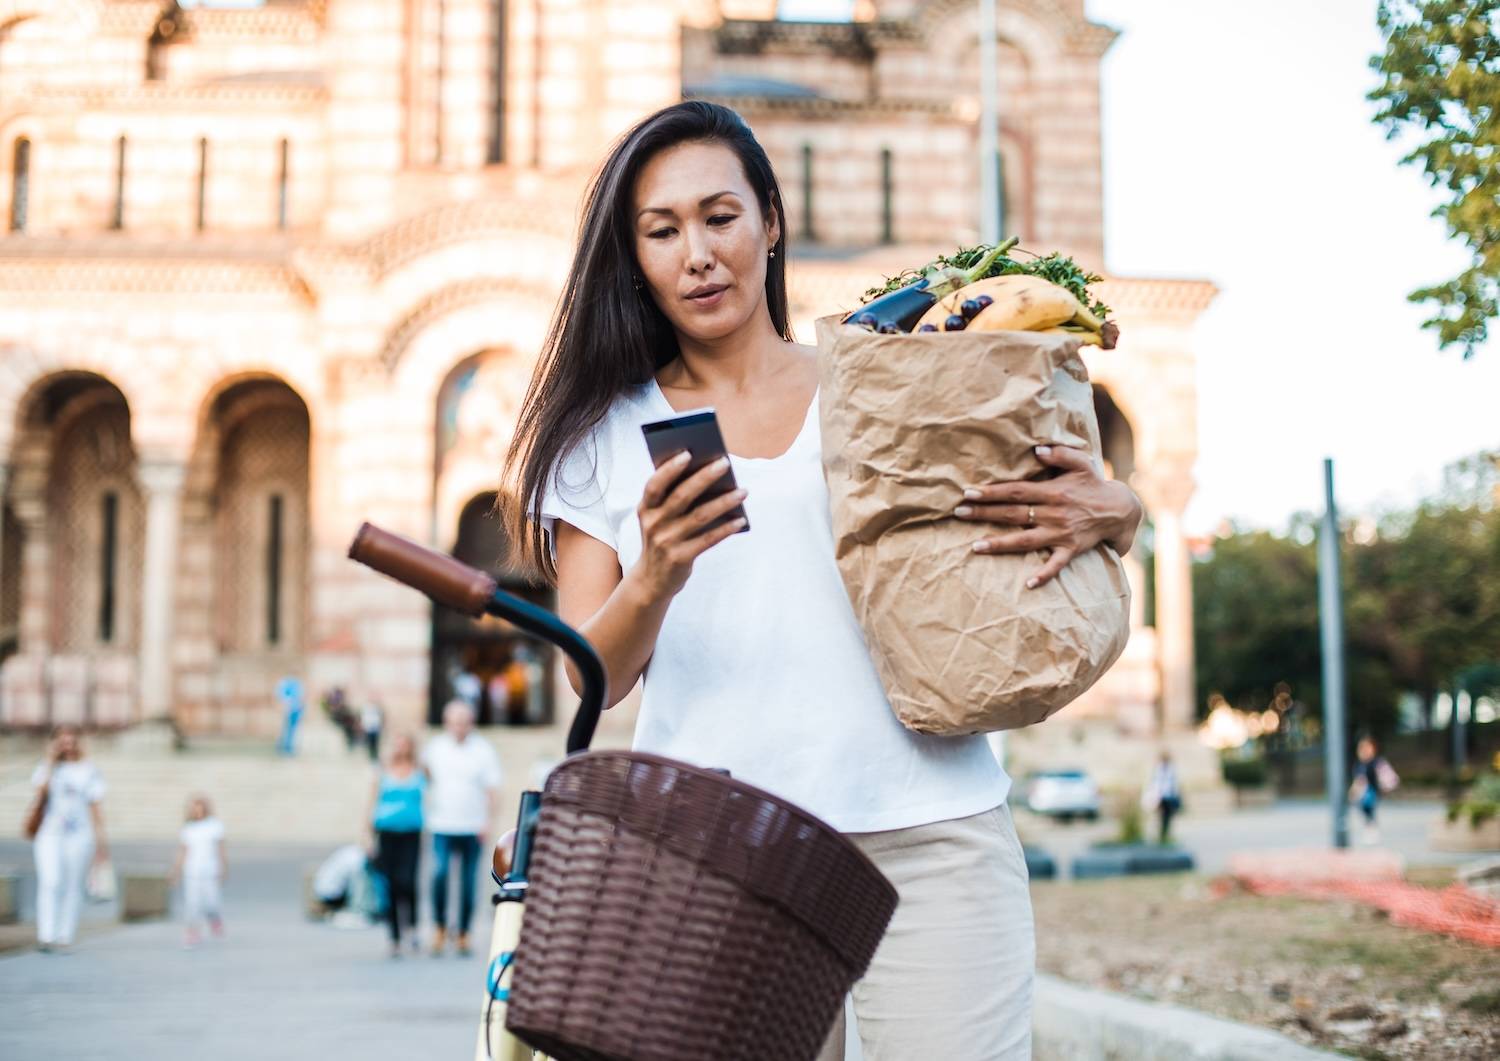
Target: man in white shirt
464,790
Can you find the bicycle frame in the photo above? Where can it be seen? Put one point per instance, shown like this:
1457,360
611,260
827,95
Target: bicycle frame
450,582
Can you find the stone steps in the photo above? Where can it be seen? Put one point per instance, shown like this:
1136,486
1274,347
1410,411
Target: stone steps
320,796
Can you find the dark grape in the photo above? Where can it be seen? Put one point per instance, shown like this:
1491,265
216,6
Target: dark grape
955,323
984,301
863,320
970,308
928,328
889,328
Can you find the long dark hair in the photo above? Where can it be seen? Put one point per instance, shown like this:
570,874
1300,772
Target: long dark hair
606,334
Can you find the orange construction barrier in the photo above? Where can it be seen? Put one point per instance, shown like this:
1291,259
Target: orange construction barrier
1372,879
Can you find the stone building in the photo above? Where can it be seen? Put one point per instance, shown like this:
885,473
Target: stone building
276,268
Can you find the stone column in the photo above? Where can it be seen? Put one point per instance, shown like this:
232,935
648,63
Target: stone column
1174,621
1165,491
161,483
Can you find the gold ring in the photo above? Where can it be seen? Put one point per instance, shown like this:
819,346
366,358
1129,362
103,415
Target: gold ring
1031,515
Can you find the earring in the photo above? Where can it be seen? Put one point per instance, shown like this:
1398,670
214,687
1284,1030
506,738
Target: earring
773,254
636,280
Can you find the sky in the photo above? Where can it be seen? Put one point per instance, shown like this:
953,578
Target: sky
1239,148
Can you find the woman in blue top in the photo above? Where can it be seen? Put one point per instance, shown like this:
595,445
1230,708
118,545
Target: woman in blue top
396,824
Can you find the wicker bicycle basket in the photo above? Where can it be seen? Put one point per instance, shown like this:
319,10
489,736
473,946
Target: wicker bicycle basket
676,914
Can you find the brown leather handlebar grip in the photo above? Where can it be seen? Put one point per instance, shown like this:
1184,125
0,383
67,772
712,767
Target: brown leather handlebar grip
444,579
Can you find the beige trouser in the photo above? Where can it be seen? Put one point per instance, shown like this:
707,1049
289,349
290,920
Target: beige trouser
952,979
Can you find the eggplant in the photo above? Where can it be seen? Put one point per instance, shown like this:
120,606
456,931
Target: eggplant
905,306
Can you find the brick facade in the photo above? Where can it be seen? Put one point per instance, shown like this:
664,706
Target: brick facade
261,242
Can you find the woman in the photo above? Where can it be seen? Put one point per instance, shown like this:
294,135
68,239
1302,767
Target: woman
677,300
1373,778
70,839
395,822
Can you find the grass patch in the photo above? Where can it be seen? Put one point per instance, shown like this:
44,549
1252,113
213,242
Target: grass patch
1486,1003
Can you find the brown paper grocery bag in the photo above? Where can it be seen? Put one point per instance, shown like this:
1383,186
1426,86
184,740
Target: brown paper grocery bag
909,422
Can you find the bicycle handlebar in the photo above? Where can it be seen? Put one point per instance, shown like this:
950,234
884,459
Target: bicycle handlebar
454,583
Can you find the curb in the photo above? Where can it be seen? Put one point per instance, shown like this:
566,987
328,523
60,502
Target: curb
1075,1023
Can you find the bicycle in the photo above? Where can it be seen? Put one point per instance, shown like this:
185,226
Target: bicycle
785,912
453,583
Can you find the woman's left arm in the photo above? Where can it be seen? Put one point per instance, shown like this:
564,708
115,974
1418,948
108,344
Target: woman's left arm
1070,514
101,844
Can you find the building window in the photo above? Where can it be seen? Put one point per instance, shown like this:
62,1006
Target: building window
807,193
117,219
281,183
20,184
887,225
496,153
202,218
274,537
109,549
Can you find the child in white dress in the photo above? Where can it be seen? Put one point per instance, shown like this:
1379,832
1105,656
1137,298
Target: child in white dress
200,867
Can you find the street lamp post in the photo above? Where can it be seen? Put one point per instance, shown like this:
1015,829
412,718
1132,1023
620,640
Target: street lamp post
1331,620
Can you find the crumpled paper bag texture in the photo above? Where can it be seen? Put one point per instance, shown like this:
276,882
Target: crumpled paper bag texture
909,422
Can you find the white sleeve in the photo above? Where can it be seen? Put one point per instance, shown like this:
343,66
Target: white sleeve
96,786
574,491
41,773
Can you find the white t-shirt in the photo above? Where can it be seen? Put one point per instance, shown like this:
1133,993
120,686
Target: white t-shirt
201,838
761,667
73,787
461,775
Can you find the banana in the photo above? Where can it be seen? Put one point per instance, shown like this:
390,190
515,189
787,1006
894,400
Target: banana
1083,335
1021,303
994,286
1030,304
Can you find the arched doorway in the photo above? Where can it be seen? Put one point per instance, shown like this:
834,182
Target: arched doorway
71,557
505,673
246,531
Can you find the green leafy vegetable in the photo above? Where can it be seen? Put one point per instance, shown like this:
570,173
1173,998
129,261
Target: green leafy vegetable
1054,268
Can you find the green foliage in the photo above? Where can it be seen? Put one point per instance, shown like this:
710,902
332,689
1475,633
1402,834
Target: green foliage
1054,268
1486,1002
1132,827
1245,773
1255,618
1440,83
1480,803
1420,613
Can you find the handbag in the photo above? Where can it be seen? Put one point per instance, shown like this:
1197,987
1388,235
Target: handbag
1386,777
35,814
102,886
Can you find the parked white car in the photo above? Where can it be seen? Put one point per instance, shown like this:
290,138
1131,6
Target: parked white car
1062,794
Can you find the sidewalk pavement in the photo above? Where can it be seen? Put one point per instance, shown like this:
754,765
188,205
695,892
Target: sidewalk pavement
276,986
1214,838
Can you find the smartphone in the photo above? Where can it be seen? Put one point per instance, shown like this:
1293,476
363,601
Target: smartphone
696,432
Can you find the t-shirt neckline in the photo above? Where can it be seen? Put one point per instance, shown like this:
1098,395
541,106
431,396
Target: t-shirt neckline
807,417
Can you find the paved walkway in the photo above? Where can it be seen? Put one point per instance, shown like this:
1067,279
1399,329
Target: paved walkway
277,986
283,987
1290,823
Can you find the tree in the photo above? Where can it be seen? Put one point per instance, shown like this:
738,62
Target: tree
1441,82
1421,606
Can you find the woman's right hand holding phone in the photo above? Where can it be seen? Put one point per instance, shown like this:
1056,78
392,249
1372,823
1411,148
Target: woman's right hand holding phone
673,532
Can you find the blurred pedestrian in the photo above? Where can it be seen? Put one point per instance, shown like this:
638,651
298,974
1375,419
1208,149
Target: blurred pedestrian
467,686
336,706
464,774
395,822
289,692
201,867
1163,795
1373,778
371,722
69,838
